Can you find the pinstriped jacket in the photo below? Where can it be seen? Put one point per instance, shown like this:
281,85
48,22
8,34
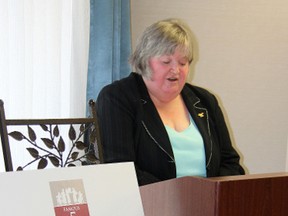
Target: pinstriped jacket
132,130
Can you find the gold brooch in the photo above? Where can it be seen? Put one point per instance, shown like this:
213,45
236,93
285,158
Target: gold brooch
201,115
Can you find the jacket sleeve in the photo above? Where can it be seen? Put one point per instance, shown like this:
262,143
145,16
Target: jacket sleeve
116,116
229,158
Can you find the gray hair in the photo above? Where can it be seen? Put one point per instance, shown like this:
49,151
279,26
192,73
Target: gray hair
161,38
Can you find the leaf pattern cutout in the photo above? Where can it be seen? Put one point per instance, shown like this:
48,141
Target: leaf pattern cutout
48,151
55,161
82,128
74,155
44,127
61,144
42,163
56,131
49,143
33,152
72,133
80,145
16,135
31,133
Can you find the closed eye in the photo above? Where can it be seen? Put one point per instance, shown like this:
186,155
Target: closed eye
183,63
166,62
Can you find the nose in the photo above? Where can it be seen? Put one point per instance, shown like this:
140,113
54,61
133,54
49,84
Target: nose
174,68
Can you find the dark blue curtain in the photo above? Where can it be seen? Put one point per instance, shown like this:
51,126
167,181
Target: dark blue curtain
110,44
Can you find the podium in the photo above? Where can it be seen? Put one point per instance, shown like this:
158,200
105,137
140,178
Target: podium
247,195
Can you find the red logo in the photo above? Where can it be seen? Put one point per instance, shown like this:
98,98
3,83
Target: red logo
69,198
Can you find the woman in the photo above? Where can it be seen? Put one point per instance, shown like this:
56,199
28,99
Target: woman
166,126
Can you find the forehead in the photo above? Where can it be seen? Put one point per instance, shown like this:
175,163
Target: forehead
177,53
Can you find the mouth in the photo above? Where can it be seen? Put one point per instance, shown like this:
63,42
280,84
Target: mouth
172,79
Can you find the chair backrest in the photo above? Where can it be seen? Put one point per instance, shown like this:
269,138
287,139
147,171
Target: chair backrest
60,142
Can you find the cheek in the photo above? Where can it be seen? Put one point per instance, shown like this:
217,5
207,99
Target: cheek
156,77
185,71
184,76
157,73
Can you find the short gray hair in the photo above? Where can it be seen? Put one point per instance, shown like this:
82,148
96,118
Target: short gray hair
161,38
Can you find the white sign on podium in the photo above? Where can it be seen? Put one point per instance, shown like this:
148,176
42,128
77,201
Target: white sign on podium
104,190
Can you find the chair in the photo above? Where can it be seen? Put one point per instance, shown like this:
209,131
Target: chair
52,148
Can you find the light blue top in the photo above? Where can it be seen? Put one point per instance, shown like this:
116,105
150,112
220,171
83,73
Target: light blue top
188,149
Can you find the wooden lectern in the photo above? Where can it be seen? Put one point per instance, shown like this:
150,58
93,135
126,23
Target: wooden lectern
247,195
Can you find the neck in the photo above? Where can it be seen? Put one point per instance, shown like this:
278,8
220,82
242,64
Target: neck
163,103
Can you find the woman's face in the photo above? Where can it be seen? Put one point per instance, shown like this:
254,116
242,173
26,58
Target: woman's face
169,74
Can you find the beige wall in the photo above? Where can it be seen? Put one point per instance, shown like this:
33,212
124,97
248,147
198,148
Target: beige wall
242,56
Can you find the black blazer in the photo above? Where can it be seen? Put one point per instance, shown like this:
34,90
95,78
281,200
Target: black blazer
132,130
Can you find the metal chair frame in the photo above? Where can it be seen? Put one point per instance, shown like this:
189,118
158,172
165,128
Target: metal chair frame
5,123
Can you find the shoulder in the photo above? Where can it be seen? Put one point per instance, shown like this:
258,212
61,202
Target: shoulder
119,86
200,93
122,83
124,90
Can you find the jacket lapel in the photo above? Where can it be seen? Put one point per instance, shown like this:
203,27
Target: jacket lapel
152,121
200,116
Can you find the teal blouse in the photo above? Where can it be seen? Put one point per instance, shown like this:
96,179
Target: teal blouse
188,149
